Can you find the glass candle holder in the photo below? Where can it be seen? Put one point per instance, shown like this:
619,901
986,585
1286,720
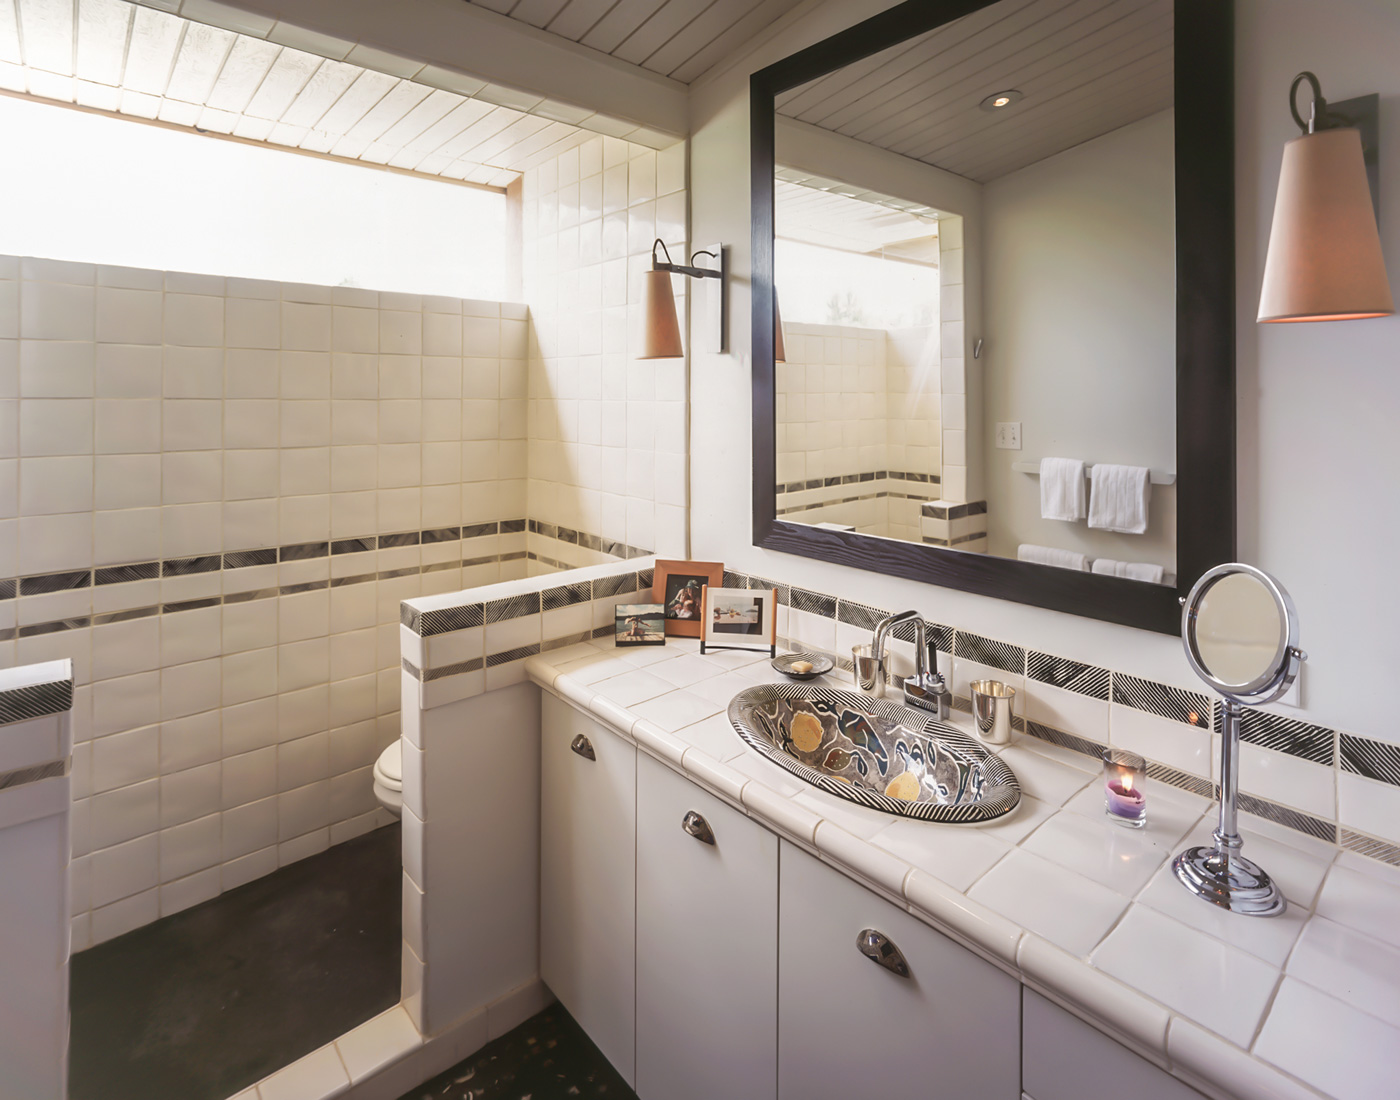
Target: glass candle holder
1124,776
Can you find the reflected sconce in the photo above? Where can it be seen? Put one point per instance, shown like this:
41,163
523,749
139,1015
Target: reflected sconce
661,338
1324,261
779,347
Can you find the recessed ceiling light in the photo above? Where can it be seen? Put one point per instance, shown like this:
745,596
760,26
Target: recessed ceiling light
997,100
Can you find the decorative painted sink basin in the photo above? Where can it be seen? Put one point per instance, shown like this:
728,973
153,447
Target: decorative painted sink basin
875,752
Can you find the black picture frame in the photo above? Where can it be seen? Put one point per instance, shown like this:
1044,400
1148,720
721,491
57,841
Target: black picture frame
1205,334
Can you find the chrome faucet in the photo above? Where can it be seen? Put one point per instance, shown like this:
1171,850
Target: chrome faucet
926,689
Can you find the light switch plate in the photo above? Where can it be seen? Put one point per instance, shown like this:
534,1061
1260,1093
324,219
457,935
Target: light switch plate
1009,436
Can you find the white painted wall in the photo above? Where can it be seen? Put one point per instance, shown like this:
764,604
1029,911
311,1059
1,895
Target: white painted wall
1079,285
1317,403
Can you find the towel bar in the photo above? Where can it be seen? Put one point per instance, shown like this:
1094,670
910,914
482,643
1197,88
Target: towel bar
1157,477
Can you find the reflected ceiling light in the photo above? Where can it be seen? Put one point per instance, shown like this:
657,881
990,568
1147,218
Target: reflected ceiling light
997,100
1324,261
661,338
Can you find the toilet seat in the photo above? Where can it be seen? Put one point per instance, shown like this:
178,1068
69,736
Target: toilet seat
388,769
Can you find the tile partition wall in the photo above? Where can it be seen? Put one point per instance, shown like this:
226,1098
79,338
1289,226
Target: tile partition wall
851,448
1341,787
214,493
608,433
36,746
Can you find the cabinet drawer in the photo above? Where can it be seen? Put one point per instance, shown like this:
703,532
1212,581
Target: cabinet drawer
848,1026
588,829
1064,1058
706,945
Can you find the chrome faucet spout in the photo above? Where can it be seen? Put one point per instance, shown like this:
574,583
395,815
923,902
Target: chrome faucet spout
926,688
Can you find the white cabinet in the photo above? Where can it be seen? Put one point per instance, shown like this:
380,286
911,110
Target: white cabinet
1064,1058
707,951
848,1026
588,828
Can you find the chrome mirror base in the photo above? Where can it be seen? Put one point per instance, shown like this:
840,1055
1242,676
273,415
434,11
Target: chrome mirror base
1230,881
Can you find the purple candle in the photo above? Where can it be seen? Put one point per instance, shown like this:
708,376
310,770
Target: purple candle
1124,774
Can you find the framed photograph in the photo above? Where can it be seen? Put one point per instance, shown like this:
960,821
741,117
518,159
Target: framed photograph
739,618
677,587
640,624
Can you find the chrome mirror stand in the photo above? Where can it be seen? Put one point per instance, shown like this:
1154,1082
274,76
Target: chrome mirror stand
1219,873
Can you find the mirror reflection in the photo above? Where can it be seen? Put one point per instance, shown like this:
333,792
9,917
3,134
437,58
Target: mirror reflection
975,269
1239,629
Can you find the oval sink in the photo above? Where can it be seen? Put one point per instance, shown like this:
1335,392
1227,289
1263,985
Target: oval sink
875,752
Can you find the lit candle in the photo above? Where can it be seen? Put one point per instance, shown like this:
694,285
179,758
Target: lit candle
1123,774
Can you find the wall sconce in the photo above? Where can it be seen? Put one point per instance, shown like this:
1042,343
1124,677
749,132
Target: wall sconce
779,347
1324,261
662,336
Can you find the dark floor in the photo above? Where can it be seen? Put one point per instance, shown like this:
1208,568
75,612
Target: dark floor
205,1002
548,1057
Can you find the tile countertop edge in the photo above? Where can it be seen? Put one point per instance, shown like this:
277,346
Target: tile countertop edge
1205,1060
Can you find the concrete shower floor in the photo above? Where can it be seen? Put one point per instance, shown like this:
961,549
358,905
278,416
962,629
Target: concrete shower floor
203,1003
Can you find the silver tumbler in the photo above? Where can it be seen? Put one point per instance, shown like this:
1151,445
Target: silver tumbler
991,708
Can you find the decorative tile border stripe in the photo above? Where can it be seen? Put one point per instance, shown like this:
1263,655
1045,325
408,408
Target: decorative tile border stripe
1283,734
857,479
1067,740
1075,676
587,541
1002,655
1283,815
1179,705
20,704
46,583
1365,845
21,776
1182,780
185,567
956,541
1371,759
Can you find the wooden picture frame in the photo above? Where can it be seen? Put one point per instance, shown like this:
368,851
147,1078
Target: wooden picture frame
670,585
739,618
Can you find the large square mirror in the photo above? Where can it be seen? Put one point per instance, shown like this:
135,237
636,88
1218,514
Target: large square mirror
993,300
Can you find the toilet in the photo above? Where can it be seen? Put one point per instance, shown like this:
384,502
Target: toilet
388,779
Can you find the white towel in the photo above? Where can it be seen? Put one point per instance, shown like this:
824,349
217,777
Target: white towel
1118,501
1062,489
1132,570
1049,555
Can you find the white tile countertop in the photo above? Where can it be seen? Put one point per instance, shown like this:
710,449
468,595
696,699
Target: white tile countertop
1302,1005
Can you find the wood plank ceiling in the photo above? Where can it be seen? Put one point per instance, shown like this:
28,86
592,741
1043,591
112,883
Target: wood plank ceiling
1084,68
681,39
138,61
823,212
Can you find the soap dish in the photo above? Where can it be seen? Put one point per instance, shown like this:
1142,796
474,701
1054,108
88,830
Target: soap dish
820,663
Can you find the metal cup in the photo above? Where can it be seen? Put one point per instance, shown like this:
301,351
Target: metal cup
869,670
991,708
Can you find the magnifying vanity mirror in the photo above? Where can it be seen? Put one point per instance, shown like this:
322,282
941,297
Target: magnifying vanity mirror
1000,233
1240,631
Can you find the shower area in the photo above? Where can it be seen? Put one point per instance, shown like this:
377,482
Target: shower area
290,331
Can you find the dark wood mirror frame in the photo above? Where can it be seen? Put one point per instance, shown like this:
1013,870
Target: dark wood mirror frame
1205,334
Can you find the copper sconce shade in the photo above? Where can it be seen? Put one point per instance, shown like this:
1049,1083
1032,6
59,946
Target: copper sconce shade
1324,261
661,338
779,347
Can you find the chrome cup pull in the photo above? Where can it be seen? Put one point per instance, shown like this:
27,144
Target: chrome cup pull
698,827
584,747
877,947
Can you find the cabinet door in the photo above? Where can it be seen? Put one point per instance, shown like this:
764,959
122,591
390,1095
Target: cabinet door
848,1026
706,945
588,824
1064,1058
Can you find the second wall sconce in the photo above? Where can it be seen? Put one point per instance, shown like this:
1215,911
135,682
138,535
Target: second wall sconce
661,338
1325,261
